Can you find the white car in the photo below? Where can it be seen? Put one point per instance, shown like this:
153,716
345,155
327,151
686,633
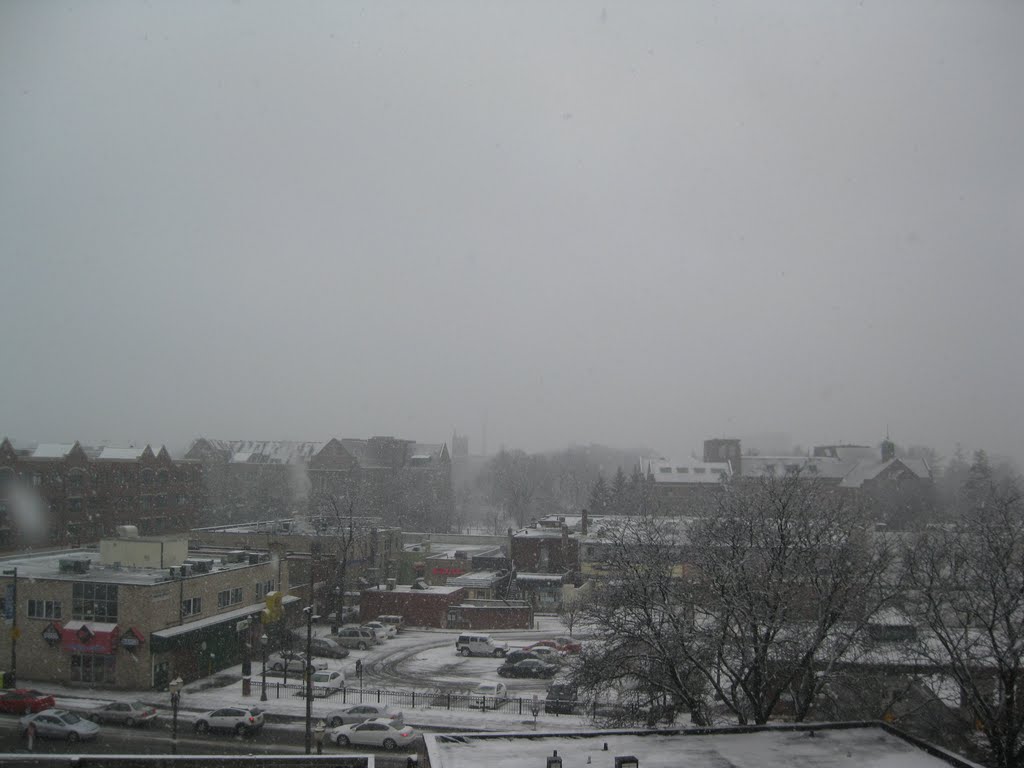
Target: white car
377,732
357,713
325,682
495,692
296,663
381,630
239,720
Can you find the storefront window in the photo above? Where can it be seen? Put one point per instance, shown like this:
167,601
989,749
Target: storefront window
92,669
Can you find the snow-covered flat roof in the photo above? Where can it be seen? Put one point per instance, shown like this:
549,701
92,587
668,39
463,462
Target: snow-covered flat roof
832,746
120,454
432,590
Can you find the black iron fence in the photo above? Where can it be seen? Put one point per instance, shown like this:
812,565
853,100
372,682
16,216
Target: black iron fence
439,698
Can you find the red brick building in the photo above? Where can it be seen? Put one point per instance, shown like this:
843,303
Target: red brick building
426,607
491,614
64,494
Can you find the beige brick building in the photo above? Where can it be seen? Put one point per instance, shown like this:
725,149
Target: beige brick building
137,612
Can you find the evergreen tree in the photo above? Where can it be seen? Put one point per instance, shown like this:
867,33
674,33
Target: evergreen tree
600,497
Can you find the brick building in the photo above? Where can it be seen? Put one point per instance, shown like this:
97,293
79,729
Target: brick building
66,494
407,484
137,612
424,606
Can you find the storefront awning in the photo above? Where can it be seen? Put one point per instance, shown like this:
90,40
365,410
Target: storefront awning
89,637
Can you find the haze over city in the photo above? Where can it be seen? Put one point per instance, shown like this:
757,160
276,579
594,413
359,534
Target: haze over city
632,224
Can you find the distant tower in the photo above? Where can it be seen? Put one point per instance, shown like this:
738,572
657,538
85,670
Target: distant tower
888,449
460,445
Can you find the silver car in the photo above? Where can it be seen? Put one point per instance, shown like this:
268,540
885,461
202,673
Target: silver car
358,713
58,724
124,712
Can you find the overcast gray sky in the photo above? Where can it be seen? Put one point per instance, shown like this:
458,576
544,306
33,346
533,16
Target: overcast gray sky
620,222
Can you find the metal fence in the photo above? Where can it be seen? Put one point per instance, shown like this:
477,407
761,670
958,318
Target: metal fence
436,699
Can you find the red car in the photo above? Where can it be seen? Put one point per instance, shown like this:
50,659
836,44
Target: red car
560,644
23,701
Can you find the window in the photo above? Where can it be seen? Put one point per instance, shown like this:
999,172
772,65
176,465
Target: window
94,602
683,470
229,597
191,606
92,669
44,609
37,479
699,470
262,587
665,469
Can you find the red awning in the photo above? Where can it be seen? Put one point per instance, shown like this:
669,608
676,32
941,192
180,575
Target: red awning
89,637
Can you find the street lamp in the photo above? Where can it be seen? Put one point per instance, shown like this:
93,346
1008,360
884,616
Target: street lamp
11,611
308,666
264,640
175,686
321,728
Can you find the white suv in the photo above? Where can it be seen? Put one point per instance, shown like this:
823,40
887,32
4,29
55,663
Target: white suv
480,645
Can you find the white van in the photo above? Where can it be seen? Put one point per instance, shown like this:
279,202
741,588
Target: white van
480,645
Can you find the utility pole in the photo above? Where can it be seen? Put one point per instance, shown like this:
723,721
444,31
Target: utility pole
309,678
11,679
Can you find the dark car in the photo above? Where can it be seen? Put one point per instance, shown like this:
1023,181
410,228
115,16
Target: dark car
514,657
23,701
528,668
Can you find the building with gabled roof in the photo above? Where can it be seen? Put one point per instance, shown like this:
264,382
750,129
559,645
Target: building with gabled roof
401,481
66,494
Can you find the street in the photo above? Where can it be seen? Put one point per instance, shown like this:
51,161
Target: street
283,740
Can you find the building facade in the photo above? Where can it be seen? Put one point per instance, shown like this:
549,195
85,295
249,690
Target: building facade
405,483
64,494
137,612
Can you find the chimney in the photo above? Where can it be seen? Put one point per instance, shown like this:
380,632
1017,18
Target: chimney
583,522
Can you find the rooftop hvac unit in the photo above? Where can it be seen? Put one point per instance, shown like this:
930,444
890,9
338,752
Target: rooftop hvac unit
420,584
200,565
391,584
127,531
254,558
237,556
73,565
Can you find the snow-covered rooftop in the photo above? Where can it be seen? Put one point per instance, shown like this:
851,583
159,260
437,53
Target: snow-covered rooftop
120,454
52,450
773,747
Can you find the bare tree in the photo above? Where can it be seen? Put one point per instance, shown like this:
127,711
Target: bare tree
753,604
967,585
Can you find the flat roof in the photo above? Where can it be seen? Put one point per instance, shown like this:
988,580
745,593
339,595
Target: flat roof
47,566
432,590
832,746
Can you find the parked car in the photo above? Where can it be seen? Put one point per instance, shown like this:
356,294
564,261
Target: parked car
376,732
355,637
561,699
326,682
496,692
394,620
528,668
238,720
550,655
480,645
59,724
357,713
296,662
521,654
124,712
328,648
382,630
25,701
562,643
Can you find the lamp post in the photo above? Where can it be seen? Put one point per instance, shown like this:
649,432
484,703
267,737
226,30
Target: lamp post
308,666
245,626
264,640
11,680
321,728
175,686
